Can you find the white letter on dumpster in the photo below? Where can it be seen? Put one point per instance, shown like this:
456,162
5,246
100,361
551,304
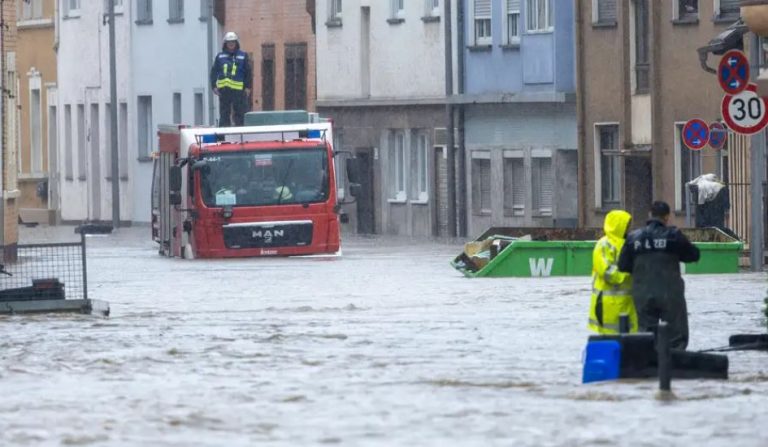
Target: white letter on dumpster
541,266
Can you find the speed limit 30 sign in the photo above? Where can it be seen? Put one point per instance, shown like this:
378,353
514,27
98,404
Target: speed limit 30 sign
746,112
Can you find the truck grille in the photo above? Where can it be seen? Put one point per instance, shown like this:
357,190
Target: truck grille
268,234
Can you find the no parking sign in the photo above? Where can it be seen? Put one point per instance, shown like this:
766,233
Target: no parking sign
695,134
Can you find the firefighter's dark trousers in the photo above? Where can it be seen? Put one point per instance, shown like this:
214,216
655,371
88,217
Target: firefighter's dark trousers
231,103
670,308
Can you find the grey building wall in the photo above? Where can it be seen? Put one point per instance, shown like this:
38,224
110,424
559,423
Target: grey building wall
530,130
367,129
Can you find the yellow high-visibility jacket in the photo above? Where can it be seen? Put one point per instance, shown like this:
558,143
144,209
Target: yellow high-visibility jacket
611,289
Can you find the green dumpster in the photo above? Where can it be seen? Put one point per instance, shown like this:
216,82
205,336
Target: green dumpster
531,252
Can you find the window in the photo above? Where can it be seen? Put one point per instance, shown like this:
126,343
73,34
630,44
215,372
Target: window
82,150
335,10
118,5
686,10
205,12
481,182
512,19
268,77
177,108
396,163
541,179
642,47
687,167
431,8
68,148
71,8
53,139
419,161
295,76
514,183
340,163
199,109
144,126
30,9
122,139
176,11
604,11
397,8
539,15
610,165
143,11
728,9
482,22
36,130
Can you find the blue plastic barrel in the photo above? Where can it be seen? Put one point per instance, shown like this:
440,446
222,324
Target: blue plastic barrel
602,361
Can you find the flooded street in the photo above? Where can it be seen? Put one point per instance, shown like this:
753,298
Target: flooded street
386,345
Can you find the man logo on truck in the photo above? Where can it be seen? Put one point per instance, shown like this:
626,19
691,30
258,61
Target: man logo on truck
267,235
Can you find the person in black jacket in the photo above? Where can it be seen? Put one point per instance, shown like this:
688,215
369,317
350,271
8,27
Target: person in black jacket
653,255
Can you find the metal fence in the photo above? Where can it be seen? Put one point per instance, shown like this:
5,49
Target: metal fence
32,263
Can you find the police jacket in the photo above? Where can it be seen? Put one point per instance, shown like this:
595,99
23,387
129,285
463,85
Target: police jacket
653,255
231,70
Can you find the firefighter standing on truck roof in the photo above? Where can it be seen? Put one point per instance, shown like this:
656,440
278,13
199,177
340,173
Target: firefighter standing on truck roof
611,289
653,255
231,81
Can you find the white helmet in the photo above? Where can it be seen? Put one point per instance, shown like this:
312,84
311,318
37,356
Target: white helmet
230,37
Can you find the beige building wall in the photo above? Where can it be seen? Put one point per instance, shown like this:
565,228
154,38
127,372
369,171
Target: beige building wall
679,89
36,61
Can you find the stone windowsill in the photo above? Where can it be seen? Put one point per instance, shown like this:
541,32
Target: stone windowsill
605,24
478,48
143,22
725,19
144,159
333,23
81,178
395,20
34,23
431,19
510,46
686,21
176,21
397,201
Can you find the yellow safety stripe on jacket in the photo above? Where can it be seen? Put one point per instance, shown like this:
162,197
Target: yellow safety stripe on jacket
229,83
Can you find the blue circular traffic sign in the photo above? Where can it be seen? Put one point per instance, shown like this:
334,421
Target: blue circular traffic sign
718,135
695,134
733,72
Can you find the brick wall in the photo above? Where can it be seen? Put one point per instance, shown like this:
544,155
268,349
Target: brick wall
275,22
10,224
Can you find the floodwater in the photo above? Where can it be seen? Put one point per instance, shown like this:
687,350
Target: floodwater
386,345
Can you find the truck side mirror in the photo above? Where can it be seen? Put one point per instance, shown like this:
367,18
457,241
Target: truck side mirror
175,198
355,189
174,179
353,170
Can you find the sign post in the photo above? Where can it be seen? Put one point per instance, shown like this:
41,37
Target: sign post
695,134
733,72
718,135
745,112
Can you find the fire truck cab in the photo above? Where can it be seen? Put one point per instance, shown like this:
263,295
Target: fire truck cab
258,190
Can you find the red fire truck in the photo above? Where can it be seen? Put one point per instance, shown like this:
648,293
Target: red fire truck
261,190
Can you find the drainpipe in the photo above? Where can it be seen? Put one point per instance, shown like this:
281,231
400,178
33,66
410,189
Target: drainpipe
756,240
211,110
451,156
580,117
2,126
462,176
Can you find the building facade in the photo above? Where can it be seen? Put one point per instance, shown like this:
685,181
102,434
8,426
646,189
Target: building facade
36,61
519,113
83,110
9,125
169,60
278,36
381,77
631,112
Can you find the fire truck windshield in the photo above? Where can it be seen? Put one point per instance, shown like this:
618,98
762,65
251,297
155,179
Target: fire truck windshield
265,177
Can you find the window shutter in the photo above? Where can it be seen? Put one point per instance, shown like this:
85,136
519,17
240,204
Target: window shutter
606,10
513,5
542,184
482,8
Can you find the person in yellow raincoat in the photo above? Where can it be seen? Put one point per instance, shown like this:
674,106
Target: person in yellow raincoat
611,289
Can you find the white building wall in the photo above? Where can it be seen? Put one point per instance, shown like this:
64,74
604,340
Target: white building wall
407,59
83,79
166,58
